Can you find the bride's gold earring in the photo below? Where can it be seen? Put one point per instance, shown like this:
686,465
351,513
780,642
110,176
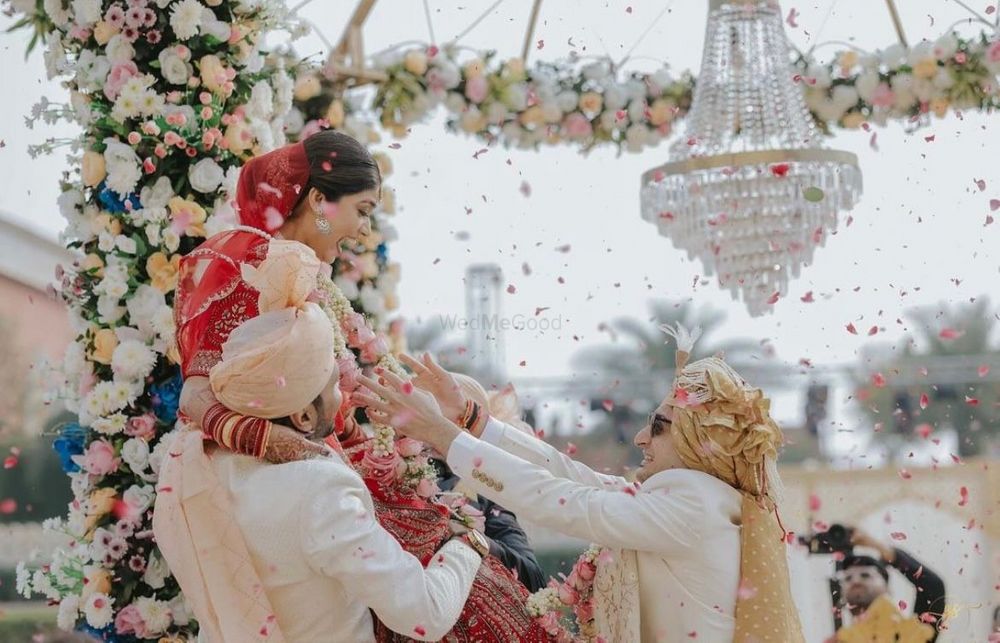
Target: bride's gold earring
322,223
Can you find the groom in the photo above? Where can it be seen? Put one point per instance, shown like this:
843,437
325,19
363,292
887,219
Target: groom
696,550
293,552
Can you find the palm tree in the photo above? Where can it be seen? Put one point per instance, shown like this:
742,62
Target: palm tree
641,351
968,404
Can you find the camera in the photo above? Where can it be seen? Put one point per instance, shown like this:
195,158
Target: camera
835,539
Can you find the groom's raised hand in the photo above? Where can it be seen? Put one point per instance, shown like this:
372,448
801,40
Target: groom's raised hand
409,410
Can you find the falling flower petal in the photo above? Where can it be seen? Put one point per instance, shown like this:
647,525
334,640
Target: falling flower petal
851,329
963,495
924,401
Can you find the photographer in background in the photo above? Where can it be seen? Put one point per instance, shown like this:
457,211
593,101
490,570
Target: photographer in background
863,579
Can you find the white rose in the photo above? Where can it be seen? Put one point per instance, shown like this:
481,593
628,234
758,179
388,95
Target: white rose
946,46
91,71
347,286
893,56
180,610
135,453
98,610
69,611
173,68
205,175
56,12
171,240
943,79
132,360
614,97
185,19
596,71
158,194
119,50
125,244
261,100
212,26
866,84
372,300
844,96
70,203
86,12
156,571
140,497
156,614
123,167
454,102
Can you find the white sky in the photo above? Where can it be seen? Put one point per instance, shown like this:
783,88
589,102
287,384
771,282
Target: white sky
918,229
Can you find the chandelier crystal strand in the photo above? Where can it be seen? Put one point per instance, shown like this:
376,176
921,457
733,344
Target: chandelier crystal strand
733,193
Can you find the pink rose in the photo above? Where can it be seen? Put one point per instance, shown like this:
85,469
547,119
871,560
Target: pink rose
426,488
476,89
568,595
584,611
119,75
993,52
358,332
373,350
129,621
550,622
99,458
349,373
408,447
586,571
142,426
883,96
576,125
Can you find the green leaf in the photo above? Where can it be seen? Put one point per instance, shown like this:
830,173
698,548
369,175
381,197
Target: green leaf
813,194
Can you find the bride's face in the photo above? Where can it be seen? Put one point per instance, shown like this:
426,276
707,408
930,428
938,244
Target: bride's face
350,219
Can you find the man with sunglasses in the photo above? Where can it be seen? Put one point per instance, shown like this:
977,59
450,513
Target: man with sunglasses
863,579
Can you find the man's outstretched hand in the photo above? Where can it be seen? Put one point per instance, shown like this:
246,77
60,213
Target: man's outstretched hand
429,376
408,409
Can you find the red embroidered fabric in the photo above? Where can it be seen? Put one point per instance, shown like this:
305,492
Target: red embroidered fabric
270,185
211,297
495,610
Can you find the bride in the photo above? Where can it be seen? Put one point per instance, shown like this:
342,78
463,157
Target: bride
321,192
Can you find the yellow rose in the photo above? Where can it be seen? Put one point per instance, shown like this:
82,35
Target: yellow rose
105,343
335,114
388,200
93,169
307,87
163,271
103,32
384,164
660,112
92,262
514,67
368,265
391,301
474,68
415,62
104,222
847,61
213,73
532,116
192,215
925,68
853,120
591,102
940,106
238,137
96,580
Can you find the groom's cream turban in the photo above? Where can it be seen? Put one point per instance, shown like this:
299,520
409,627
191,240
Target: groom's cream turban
278,362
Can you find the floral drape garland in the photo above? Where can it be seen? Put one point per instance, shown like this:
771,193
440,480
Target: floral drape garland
172,96
590,105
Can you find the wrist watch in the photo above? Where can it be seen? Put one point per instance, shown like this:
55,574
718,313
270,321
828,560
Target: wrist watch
477,541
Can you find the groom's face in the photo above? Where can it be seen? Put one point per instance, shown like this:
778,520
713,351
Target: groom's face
657,445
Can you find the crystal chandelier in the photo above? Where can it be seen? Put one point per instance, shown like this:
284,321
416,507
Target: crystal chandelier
749,189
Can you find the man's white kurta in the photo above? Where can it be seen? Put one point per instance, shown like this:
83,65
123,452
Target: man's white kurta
324,560
676,539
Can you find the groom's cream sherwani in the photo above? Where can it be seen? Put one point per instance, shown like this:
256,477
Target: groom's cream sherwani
323,559
675,568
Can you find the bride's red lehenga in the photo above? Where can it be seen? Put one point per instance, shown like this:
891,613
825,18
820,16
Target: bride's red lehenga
212,299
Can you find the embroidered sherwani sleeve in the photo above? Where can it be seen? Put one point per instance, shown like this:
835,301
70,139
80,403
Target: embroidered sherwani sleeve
528,447
342,539
664,520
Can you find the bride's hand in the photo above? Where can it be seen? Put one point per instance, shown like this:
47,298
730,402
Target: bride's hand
429,376
413,412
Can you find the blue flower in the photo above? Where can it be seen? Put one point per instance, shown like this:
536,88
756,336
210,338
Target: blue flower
112,202
68,444
166,397
382,252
